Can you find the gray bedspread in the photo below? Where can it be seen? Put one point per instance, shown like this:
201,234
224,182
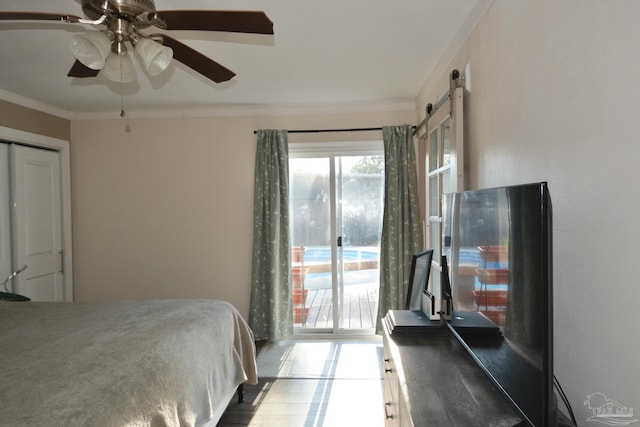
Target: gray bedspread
144,363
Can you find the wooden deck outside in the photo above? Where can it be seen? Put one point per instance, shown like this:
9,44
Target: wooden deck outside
360,307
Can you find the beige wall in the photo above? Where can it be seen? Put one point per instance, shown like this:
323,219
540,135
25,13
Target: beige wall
30,120
553,98
163,208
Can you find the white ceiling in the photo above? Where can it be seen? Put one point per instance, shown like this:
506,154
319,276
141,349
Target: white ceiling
331,52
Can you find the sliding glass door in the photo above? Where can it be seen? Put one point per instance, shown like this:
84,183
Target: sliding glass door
336,211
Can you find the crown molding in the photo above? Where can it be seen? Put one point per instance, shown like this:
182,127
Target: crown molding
250,110
256,110
33,104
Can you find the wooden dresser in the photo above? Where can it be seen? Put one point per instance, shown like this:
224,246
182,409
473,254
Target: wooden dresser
431,380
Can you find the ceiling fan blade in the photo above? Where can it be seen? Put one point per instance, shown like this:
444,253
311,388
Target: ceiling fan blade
78,69
37,16
195,60
217,20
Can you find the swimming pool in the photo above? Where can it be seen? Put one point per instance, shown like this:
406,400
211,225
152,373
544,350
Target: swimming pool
361,266
349,253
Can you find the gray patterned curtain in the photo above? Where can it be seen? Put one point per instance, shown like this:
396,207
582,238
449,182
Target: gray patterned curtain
270,315
401,228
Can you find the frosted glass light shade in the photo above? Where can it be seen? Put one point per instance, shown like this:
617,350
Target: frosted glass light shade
91,49
119,68
155,57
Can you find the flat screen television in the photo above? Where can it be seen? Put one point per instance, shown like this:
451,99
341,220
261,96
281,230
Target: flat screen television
497,246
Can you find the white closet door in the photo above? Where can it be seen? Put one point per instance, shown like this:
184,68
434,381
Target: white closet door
5,228
38,223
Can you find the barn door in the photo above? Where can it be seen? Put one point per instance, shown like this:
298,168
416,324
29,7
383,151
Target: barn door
444,174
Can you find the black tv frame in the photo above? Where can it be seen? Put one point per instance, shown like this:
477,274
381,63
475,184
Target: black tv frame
483,349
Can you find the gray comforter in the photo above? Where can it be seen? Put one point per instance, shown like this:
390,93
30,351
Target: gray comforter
151,363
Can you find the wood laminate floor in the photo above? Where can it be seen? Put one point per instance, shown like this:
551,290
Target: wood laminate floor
314,387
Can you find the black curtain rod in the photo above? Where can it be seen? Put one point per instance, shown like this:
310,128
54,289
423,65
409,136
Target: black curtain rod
333,130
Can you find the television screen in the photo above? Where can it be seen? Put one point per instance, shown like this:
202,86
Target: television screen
498,249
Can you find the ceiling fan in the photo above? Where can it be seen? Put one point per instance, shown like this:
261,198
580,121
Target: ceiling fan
120,23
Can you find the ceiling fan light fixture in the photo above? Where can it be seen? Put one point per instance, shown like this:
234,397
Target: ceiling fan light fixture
155,57
91,48
119,68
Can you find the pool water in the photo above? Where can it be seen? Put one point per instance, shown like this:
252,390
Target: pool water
323,253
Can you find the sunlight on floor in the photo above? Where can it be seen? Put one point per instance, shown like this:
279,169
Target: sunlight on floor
353,359
297,402
318,383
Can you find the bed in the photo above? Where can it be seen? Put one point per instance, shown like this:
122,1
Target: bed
143,363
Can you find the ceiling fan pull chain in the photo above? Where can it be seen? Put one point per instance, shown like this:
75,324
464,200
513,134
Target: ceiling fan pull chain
122,113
